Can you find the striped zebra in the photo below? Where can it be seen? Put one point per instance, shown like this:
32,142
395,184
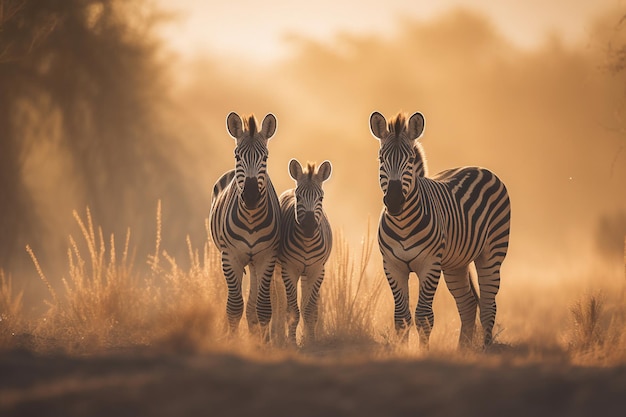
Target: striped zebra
443,223
245,222
305,243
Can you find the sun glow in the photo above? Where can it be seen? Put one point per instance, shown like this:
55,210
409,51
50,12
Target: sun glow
261,30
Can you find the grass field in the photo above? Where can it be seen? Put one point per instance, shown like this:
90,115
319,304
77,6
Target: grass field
123,337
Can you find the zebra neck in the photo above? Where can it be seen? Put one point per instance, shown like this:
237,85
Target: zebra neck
416,200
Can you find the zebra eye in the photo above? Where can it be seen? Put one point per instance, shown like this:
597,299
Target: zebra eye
411,160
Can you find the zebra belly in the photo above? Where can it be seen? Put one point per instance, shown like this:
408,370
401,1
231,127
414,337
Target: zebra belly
410,250
458,260
302,264
461,251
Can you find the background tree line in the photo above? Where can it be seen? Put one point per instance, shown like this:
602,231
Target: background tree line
82,98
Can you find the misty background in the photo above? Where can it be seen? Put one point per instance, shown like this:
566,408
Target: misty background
98,109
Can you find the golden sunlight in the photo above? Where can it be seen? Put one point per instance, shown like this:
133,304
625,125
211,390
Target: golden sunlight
260,30
129,249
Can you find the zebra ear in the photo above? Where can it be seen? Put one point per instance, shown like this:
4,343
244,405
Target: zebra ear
295,169
378,125
234,125
324,170
269,126
416,126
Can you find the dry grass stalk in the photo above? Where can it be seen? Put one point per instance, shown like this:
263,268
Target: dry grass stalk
588,330
349,299
11,319
41,274
105,302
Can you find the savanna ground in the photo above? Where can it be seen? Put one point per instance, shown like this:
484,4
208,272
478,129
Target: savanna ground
121,339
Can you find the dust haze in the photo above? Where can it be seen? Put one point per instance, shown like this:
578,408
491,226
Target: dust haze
113,121
548,121
111,141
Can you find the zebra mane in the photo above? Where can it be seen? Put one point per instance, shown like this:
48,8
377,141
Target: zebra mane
250,125
397,124
421,165
310,169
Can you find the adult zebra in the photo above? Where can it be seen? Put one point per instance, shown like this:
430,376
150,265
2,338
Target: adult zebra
443,223
305,244
245,222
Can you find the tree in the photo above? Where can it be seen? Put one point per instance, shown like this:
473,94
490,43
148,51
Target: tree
89,68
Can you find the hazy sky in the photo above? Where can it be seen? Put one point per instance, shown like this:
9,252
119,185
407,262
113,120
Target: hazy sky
258,29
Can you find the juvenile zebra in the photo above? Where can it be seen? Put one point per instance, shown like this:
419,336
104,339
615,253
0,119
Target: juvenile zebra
443,223
305,244
245,222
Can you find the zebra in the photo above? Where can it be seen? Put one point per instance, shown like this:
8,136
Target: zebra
245,223
438,224
305,243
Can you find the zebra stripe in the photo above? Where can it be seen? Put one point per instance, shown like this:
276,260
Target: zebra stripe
245,222
305,244
438,224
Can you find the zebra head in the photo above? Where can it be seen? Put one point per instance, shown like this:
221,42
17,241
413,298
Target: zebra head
400,156
309,194
251,155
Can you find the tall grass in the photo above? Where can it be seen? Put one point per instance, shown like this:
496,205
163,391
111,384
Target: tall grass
109,300
101,298
11,321
597,331
588,330
349,296
189,303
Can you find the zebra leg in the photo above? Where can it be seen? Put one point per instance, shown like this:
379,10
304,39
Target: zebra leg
489,283
290,278
251,305
263,274
398,277
424,316
311,284
458,282
233,273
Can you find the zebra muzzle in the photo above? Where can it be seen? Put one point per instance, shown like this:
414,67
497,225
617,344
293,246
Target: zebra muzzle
251,193
394,199
308,224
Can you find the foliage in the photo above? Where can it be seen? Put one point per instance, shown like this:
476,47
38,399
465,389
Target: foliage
82,80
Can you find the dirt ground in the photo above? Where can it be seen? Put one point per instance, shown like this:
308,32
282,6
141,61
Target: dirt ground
142,383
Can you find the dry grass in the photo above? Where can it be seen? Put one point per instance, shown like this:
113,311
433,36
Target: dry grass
11,321
107,300
588,331
597,330
349,297
101,299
